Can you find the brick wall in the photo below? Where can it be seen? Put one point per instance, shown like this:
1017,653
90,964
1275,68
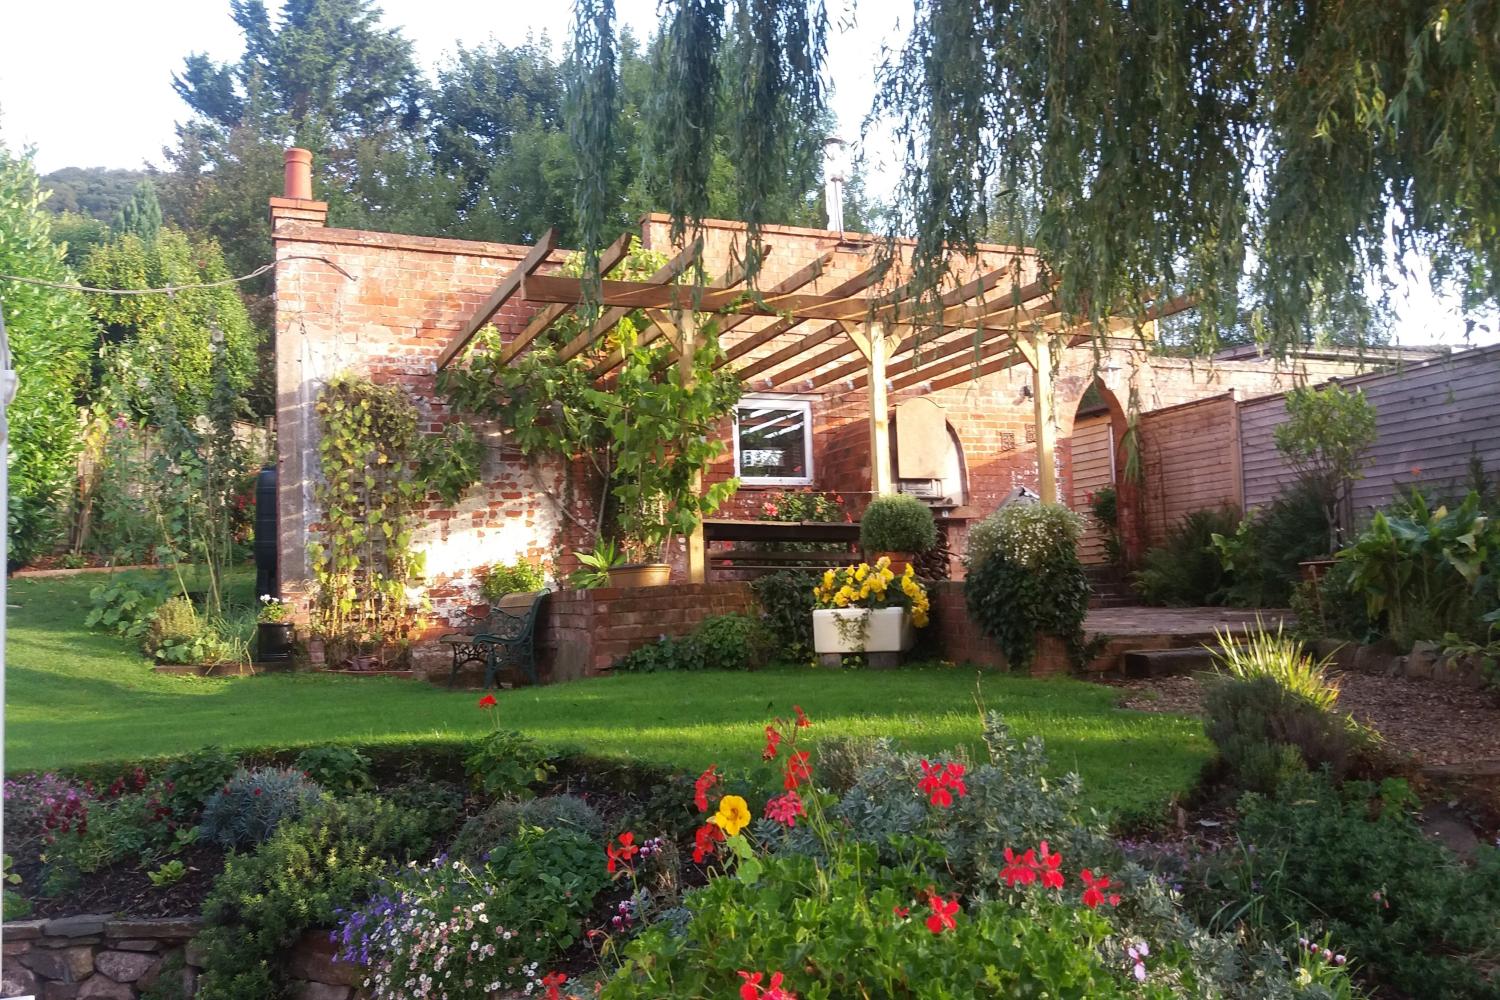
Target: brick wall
585,631
405,297
960,640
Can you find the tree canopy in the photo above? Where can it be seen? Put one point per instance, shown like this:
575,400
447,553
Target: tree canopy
1276,158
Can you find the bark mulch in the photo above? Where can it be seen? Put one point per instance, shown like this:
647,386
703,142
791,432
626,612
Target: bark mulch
1435,723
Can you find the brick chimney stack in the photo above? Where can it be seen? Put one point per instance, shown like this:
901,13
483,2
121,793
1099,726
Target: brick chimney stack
296,203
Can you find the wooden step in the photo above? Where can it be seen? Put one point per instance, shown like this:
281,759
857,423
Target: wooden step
1166,662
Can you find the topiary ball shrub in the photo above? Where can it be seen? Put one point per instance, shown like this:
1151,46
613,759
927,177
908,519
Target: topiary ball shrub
1024,580
899,523
252,804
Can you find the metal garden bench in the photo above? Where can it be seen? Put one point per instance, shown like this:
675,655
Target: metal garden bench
502,635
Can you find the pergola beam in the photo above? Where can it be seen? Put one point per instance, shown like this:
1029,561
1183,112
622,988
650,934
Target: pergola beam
549,314
768,333
661,277
534,259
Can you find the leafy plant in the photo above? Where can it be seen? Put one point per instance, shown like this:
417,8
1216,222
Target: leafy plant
126,605
193,780
786,603
273,610
340,769
1354,860
1325,438
1261,558
1104,506
646,441
506,763
44,807
1186,569
594,569
1427,573
308,873
13,905
877,586
252,804
898,523
167,874
449,463
363,560
1024,579
719,642
132,826
518,577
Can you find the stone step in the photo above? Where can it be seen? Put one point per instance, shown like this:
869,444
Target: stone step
1166,662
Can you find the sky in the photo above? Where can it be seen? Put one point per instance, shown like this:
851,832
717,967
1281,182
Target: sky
88,83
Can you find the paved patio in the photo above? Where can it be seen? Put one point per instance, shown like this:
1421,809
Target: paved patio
1183,623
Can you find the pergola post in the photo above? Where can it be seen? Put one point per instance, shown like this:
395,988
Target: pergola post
1046,426
880,424
687,349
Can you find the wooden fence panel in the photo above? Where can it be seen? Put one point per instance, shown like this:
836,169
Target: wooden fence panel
1431,421
1190,460
1093,469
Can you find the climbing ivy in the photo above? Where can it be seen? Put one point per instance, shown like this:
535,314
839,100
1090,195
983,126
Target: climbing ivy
362,557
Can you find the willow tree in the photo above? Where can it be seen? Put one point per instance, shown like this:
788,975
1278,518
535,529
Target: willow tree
1280,155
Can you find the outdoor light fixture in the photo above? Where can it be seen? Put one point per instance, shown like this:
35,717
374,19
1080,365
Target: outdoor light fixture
1025,390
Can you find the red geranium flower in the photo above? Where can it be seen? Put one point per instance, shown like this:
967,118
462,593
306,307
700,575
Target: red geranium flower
1052,878
1020,870
797,770
705,841
488,701
901,911
623,854
552,981
802,721
1094,894
708,779
751,989
773,741
940,781
942,914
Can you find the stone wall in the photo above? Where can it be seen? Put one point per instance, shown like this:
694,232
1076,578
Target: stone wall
115,959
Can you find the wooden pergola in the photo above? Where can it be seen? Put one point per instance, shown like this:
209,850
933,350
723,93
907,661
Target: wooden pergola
848,336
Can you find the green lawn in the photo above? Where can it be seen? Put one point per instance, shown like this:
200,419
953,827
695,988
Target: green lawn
77,697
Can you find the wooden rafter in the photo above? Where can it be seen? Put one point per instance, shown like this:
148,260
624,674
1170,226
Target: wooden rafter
508,287
858,283
549,314
661,278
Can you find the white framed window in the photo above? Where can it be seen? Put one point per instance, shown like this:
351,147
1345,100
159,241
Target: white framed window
773,441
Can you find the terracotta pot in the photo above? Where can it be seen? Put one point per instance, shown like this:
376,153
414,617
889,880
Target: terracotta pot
640,575
273,641
898,560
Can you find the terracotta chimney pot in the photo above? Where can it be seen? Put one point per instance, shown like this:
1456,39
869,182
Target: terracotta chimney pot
299,174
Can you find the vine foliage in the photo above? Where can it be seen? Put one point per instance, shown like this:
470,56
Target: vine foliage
362,560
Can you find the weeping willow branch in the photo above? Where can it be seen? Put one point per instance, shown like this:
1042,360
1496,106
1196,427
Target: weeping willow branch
592,99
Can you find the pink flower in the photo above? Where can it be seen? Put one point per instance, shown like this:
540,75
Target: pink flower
785,809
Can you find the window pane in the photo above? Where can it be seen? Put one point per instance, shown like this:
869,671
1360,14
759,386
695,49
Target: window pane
773,442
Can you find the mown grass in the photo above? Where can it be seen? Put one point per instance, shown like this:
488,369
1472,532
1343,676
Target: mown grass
74,697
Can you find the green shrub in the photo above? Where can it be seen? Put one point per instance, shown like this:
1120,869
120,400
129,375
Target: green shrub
339,769
439,803
720,642
303,877
786,604
502,821
1104,505
507,764
1355,862
897,523
133,826
518,577
1325,438
252,804
1024,579
193,780
1261,558
1186,570
1272,713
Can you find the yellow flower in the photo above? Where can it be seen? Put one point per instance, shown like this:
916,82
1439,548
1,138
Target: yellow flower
862,572
733,815
884,562
910,570
828,578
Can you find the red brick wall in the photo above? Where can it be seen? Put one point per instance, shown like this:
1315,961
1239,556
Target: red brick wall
586,631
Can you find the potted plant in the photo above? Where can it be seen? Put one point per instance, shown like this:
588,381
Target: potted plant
518,577
274,631
867,609
896,528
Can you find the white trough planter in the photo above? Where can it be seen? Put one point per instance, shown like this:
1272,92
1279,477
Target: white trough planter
888,630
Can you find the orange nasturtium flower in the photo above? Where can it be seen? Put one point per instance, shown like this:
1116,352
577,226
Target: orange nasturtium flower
733,815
